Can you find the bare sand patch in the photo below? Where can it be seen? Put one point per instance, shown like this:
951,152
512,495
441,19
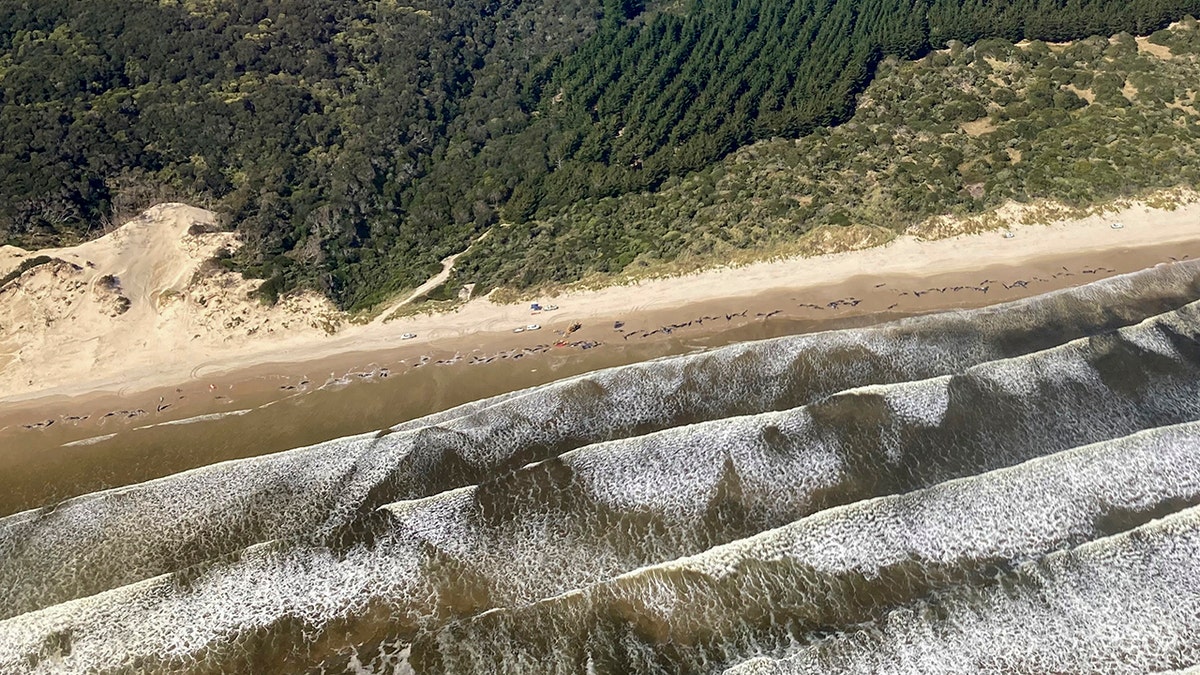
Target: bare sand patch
181,326
978,127
1161,51
1085,94
144,297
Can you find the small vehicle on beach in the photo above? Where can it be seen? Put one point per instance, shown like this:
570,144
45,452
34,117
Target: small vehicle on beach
408,336
519,329
533,326
1117,226
550,308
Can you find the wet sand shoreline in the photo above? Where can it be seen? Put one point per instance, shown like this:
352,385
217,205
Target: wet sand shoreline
64,446
178,342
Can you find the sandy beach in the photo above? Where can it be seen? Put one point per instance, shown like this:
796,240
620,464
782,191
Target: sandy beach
159,343
110,410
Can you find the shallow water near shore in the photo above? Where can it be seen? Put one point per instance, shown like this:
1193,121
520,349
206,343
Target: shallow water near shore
768,505
106,441
47,465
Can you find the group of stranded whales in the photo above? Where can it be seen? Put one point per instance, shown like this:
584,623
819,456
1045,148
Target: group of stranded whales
771,504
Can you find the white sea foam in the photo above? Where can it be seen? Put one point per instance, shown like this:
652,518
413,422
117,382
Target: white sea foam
1129,603
920,405
160,619
776,467
92,543
89,441
1153,341
198,418
1012,514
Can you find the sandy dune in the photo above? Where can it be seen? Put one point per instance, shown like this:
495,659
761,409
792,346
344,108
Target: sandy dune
62,331
134,304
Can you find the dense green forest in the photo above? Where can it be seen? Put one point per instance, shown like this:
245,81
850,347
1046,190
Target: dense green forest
354,144
958,132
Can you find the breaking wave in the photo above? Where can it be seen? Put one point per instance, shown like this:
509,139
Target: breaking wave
768,505
1122,604
834,569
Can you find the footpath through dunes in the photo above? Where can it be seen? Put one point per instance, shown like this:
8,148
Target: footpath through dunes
101,541
1129,603
605,509
832,570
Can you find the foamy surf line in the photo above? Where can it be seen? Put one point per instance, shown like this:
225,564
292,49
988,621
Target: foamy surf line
601,510
89,441
99,540
1050,502
198,418
1129,603
689,615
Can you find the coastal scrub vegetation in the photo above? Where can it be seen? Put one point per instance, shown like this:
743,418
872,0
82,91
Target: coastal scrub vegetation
25,266
959,132
356,144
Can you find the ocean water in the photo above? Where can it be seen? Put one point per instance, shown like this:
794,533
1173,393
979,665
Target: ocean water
1127,603
883,498
836,568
